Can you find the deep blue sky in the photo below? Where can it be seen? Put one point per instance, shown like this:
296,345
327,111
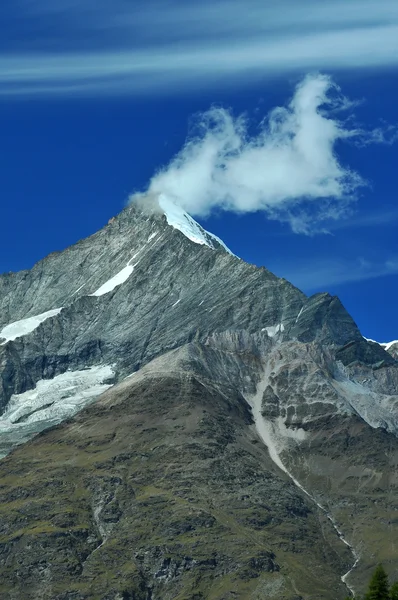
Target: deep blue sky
71,155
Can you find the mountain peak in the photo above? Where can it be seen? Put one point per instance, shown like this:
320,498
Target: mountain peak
178,218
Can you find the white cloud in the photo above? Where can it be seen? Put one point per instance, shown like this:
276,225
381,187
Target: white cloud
89,47
289,169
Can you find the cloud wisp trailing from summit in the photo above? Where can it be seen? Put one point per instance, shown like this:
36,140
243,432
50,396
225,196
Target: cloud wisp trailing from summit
288,169
88,47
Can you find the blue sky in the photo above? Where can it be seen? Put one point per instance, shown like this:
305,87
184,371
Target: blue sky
96,97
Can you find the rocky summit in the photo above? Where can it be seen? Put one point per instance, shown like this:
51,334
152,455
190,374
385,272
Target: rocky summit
179,424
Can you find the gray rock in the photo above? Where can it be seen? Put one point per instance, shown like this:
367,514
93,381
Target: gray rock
215,362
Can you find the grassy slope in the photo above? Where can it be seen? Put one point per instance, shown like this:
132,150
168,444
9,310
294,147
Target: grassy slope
354,474
161,489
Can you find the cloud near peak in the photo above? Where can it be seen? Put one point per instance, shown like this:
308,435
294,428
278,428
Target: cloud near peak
289,169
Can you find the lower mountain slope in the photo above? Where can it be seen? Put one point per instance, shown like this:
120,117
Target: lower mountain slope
161,489
331,427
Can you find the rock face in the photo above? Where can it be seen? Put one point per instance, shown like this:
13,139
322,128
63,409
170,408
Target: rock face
245,438
392,348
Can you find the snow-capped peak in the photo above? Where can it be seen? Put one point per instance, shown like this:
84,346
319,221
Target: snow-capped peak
388,345
181,220
385,345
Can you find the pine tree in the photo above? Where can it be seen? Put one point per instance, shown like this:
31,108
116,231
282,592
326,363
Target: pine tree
394,591
378,586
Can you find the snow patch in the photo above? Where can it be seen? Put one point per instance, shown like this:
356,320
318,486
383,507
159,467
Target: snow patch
24,326
175,303
179,219
58,397
273,330
153,235
50,403
119,278
385,345
115,281
370,340
388,345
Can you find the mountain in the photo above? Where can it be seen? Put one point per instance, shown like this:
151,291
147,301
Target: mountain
390,347
179,424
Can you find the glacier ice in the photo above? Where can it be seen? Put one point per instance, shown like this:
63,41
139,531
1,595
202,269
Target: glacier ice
50,402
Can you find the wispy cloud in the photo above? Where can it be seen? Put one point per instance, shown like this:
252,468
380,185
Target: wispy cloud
289,169
367,220
316,276
313,276
89,47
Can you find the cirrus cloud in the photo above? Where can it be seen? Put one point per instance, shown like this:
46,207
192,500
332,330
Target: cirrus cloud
86,48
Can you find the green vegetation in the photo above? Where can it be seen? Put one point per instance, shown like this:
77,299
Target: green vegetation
379,588
394,591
